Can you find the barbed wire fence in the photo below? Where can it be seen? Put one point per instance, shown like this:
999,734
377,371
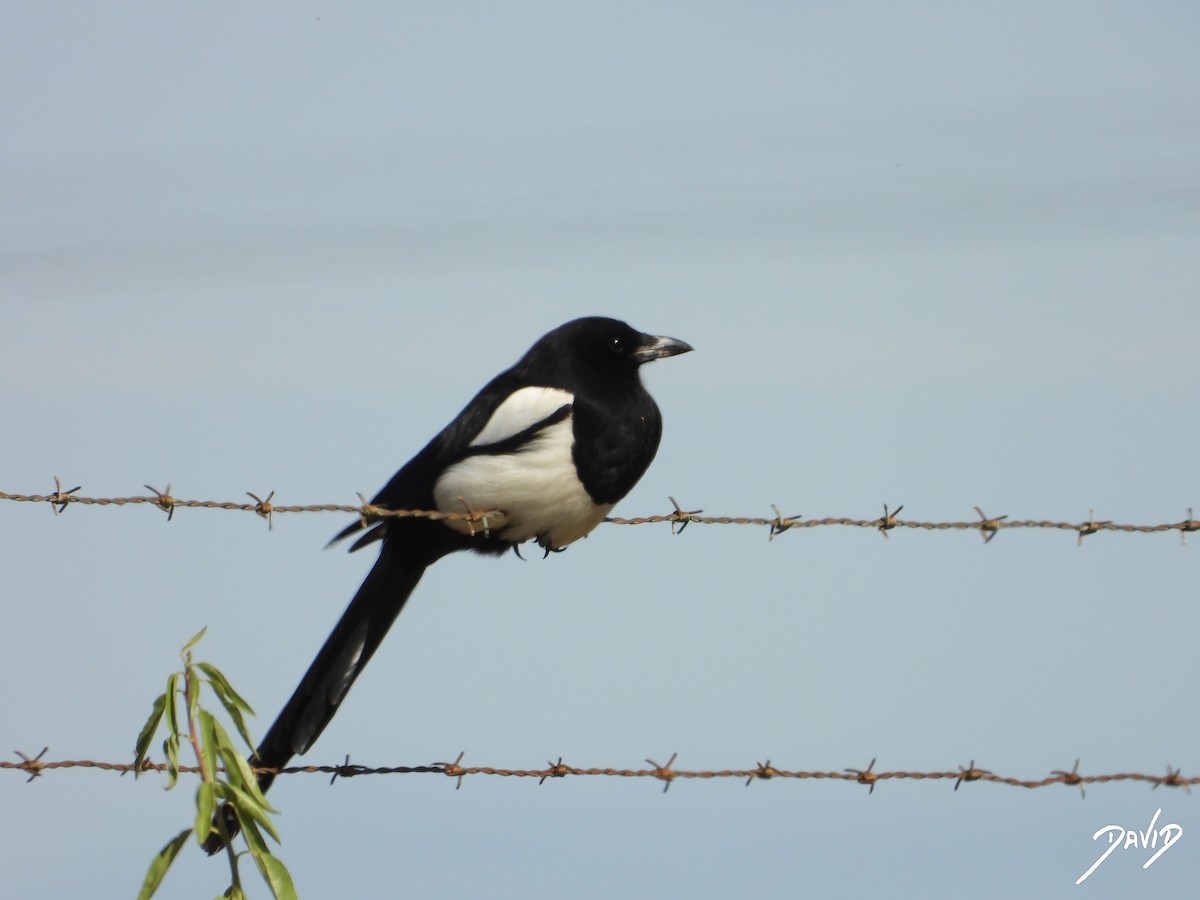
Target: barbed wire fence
678,518
666,772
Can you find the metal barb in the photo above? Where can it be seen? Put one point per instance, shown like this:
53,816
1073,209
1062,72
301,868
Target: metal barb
554,770
264,508
163,500
866,776
60,498
1172,779
764,771
1072,777
888,522
988,527
33,765
366,513
664,773
475,516
454,769
345,770
1190,524
970,774
1091,526
681,515
781,524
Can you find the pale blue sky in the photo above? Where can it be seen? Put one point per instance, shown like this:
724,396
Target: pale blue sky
928,254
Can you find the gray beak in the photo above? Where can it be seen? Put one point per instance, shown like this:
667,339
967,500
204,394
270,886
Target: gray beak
656,347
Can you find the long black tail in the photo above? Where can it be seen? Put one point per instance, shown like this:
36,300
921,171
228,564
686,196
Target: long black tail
344,655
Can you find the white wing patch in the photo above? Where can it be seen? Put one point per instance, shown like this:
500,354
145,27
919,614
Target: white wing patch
535,489
519,411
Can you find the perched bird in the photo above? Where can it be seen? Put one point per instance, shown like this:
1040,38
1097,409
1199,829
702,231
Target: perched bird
546,448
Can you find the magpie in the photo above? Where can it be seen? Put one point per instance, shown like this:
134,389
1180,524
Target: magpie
546,449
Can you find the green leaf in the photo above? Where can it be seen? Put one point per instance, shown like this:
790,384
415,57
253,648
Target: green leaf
171,752
195,640
205,802
230,699
191,687
221,683
162,862
209,744
235,773
276,875
241,776
239,723
249,810
147,734
254,838
170,701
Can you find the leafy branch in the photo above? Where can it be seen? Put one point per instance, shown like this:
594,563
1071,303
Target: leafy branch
226,777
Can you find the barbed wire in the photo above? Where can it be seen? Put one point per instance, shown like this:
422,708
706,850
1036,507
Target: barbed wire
679,518
35,766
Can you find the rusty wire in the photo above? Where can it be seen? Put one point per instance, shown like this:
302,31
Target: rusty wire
666,772
678,518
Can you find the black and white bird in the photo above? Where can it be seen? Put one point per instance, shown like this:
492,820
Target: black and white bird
547,448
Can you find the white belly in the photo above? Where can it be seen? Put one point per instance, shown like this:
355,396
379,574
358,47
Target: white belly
535,491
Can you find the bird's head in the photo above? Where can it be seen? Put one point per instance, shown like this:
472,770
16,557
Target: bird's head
609,345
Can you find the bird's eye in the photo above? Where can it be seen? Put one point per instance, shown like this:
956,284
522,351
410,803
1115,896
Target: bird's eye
616,346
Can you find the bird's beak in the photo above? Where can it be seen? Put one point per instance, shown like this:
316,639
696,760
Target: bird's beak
656,347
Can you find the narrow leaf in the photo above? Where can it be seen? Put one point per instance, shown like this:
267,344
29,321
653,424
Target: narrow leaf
171,752
254,838
233,703
246,779
239,723
162,862
221,683
209,744
250,810
195,640
191,687
147,734
205,797
276,875
170,702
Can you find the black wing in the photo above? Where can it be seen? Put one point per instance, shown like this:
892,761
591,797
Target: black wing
412,486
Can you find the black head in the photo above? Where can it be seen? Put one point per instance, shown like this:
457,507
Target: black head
606,345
